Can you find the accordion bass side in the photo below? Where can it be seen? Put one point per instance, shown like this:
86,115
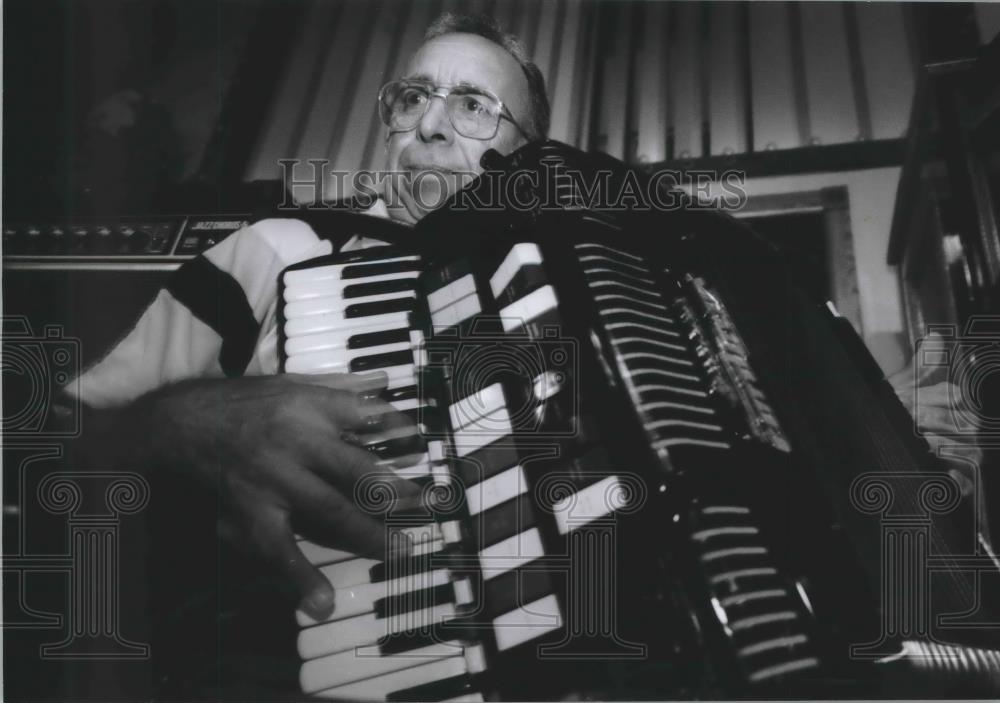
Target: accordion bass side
652,469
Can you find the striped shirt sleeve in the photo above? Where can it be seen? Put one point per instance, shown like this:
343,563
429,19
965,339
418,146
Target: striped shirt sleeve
214,318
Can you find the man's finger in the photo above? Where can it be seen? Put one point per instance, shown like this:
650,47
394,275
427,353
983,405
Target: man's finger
276,542
352,469
335,516
358,383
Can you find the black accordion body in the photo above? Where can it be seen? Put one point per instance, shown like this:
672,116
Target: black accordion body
653,469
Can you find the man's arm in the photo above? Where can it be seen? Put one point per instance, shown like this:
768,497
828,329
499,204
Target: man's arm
274,449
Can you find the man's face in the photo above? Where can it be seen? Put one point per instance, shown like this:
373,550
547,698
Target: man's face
434,145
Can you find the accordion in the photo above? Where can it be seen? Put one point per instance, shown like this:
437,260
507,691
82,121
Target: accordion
652,469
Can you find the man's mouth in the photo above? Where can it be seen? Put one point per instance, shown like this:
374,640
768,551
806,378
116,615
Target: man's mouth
417,167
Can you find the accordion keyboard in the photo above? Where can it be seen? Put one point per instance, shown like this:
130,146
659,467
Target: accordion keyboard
474,589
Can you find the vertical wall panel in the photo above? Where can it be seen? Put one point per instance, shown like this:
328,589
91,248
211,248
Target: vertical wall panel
833,114
421,15
505,12
650,99
362,122
547,40
588,63
685,94
774,117
562,82
887,67
727,116
666,68
326,116
617,28
282,123
526,24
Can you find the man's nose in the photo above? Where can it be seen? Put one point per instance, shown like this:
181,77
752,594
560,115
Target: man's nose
435,125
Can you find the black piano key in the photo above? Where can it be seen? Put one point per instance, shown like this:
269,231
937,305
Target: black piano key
402,393
441,276
548,326
486,461
398,446
501,522
429,415
381,361
408,640
527,279
396,285
414,600
374,339
380,269
435,691
515,588
380,308
407,566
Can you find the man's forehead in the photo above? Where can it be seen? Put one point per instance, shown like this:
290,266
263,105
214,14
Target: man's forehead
465,59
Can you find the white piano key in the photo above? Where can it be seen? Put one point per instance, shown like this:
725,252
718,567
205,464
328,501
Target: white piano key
344,635
410,404
332,303
480,404
380,687
315,362
457,312
435,450
463,592
476,436
358,325
585,506
400,376
526,309
319,555
519,256
336,343
451,293
357,665
329,358
428,547
510,553
527,622
442,475
451,532
333,272
418,470
330,339
496,490
304,290
360,599
349,573
419,348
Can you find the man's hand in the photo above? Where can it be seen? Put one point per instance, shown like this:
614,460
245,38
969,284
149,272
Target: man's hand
277,448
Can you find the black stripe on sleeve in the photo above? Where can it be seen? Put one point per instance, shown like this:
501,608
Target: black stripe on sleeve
215,298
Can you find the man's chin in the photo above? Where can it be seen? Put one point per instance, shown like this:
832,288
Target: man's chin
432,189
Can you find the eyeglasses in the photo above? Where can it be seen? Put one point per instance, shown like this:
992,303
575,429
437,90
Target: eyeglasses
473,112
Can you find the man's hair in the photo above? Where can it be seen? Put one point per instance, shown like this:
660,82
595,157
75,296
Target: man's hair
488,28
